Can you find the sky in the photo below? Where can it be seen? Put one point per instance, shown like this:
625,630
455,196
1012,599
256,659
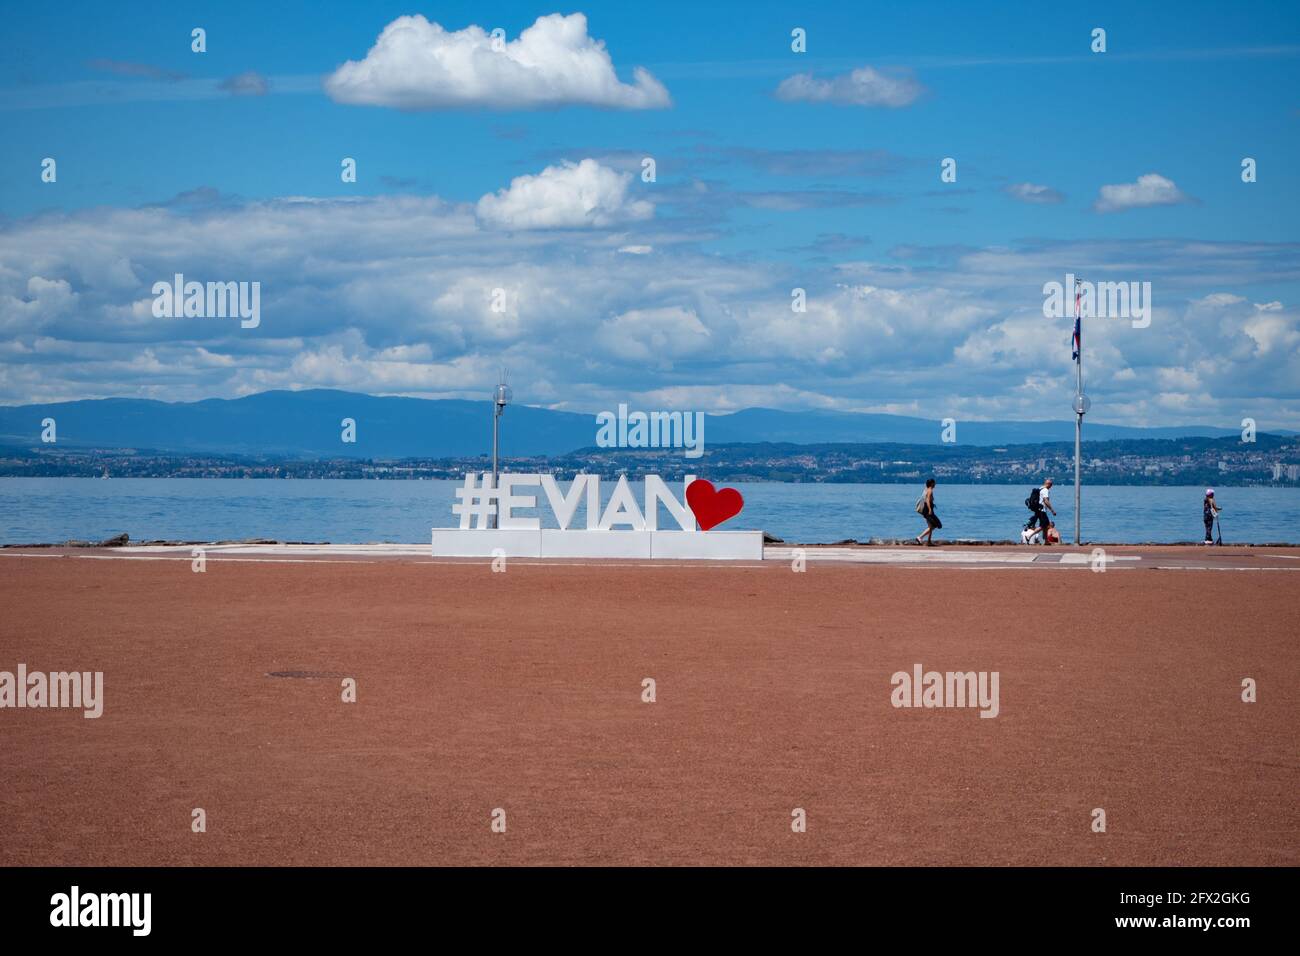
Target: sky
503,216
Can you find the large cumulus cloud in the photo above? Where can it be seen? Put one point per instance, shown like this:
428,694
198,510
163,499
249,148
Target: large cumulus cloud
418,65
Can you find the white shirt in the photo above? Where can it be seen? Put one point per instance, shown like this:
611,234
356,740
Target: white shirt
1045,496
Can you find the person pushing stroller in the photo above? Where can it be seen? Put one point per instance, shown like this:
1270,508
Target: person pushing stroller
1039,502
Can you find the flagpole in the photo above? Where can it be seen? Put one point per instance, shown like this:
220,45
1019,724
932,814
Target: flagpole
1080,406
1078,435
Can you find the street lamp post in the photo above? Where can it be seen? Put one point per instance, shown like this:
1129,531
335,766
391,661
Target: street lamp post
1081,405
500,398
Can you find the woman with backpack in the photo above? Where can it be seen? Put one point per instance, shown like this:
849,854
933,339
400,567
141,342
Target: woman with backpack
925,508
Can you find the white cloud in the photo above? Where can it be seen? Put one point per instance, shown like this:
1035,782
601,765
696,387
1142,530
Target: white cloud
655,336
865,325
1149,190
1033,193
417,65
44,301
865,86
568,196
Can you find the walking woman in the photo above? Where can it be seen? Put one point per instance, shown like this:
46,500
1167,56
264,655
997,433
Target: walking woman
925,508
1209,510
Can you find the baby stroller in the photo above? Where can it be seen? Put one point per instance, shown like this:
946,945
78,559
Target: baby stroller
1033,534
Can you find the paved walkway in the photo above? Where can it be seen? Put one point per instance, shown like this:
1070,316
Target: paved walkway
1123,557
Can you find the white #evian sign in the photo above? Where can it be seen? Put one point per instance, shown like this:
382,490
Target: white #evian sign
476,501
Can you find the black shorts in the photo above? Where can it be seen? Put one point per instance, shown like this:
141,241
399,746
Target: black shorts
1040,519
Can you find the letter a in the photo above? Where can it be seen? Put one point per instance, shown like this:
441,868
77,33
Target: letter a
902,695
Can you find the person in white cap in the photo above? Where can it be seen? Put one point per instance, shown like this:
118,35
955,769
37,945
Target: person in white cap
1210,509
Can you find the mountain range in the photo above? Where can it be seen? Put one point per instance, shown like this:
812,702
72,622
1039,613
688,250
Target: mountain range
308,424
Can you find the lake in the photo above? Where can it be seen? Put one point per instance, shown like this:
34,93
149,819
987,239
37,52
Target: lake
208,509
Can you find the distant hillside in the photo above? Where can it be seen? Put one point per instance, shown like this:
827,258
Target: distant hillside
307,424
300,424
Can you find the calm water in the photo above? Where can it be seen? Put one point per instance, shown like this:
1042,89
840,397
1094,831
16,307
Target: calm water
207,509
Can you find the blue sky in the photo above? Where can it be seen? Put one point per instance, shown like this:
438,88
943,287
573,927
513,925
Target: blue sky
924,296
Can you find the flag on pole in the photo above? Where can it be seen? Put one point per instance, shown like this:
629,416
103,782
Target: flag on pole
1077,338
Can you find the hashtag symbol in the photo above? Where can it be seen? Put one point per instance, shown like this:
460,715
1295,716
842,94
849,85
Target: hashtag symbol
475,501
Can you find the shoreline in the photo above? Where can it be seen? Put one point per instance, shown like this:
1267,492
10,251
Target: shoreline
122,541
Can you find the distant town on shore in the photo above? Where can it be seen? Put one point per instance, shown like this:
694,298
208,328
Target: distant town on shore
1270,460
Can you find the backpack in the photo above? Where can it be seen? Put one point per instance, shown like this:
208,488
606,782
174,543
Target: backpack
920,505
1032,502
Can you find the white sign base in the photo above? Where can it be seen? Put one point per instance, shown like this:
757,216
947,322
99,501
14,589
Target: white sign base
576,543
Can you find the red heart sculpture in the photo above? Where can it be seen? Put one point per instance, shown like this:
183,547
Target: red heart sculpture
711,506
